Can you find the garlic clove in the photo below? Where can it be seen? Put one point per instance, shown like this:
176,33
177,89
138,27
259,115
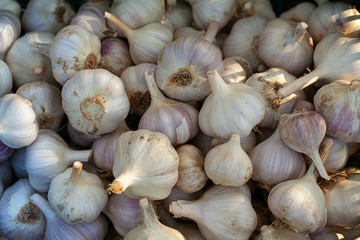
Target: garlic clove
6,80
11,29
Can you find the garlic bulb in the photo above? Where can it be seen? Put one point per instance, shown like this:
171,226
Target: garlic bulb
17,161
192,177
300,12
299,203
25,64
339,104
124,213
236,69
334,58
221,213
274,162
286,44
20,219
332,17
10,27
338,155
182,66
95,101
76,195
243,40
144,43
151,227
56,229
72,50
218,11
304,132
6,80
115,55
248,8
104,147
145,165
136,88
6,176
179,15
247,143
92,19
267,84
79,138
47,16
5,152
276,233
46,101
18,125
238,99
49,156
228,164
188,31
11,5
177,120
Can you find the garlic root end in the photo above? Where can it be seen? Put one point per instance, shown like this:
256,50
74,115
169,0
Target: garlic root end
175,208
115,187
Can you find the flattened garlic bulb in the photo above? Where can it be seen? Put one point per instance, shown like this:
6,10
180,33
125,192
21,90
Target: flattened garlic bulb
95,101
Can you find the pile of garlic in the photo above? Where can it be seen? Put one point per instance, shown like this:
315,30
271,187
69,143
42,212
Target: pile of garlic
188,119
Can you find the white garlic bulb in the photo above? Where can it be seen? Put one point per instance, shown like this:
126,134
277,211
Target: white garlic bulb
267,84
12,6
46,101
19,218
25,64
49,156
18,125
10,27
221,213
237,99
276,233
47,16
236,69
248,8
300,12
286,44
76,195
299,203
95,101
243,40
228,164
177,120
179,15
192,176
145,165
72,50
6,80
338,155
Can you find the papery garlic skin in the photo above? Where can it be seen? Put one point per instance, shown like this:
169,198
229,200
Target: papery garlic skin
10,29
24,130
339,104
248,8
300,12
25,64
145,165
236,69
276,233
338,156
76,195
180,15
228,164
12,6
238,100
47,16
6,80
46,101
20,219
95,101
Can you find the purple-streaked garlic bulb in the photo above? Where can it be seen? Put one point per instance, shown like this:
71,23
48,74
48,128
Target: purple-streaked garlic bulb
236,69
177,120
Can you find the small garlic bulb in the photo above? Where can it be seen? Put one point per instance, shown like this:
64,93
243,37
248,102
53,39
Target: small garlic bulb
10,31
243,40
46,101
76,195
25,64
6,80
300,12
286,44
151,227
228,164
248,8
236,69
179,15
192,176
177,120
11,5
72,50
18,125
19,218
222,213
299,203
238,100
95,101
267,84
47,16
136,88
332,17
59,156
338,155
145,165
276,233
